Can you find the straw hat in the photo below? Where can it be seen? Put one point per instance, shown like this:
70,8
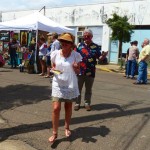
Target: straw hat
66,37
49,33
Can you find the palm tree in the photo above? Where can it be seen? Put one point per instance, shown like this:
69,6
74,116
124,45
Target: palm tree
121,31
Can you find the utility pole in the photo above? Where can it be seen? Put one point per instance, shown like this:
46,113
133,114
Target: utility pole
43,8
0,16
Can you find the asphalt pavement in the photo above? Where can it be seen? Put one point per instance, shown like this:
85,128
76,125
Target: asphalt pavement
119,120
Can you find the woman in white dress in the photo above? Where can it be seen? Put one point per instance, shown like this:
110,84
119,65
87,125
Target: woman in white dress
65,66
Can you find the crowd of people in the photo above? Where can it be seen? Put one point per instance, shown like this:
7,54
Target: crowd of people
72,67
137,62
45,50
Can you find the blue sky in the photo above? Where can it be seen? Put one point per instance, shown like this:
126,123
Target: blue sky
10,5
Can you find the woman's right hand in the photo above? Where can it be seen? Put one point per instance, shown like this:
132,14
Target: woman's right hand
76,67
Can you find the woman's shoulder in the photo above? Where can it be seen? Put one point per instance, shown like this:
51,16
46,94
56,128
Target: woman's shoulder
75,52
77,55
55,52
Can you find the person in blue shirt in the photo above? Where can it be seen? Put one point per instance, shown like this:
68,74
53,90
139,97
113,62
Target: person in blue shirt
56,44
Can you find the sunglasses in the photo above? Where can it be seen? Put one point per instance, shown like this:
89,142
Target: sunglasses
87,36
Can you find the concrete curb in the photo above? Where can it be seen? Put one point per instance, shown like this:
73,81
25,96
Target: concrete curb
110,68
114,70
105,69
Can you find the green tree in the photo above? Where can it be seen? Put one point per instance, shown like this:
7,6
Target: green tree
121,31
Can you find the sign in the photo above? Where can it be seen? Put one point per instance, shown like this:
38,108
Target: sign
4,36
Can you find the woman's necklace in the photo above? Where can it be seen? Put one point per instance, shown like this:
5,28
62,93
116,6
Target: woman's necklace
65,55
65,59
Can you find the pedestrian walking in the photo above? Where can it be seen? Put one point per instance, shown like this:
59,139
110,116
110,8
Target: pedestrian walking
65,66
89,52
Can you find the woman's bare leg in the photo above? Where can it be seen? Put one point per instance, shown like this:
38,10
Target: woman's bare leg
55,120
43,66
68,114
48,71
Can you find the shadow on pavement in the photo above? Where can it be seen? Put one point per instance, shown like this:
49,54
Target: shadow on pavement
18,95
85,133
7,132
104,106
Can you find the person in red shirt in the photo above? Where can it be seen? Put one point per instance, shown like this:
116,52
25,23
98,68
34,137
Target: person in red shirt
90,52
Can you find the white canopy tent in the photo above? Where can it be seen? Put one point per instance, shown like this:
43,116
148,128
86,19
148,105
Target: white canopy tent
35,21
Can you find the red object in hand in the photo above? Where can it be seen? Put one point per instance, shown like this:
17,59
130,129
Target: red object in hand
45,46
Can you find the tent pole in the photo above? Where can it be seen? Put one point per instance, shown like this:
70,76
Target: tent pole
35,57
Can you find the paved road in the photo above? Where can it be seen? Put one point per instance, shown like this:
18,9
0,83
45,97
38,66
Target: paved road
119,120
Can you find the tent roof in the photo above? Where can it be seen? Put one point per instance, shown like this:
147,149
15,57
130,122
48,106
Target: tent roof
34,21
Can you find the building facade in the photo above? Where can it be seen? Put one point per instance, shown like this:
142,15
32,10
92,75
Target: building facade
93,16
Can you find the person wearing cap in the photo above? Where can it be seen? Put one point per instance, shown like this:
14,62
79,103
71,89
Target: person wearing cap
42,54
144,58
48,59
49,34
132,60
89,52
65,65
56,43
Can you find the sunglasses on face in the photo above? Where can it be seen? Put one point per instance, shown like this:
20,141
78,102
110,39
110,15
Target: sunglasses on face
64,43
87,36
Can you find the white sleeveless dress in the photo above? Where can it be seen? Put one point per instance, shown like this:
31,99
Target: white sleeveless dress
65,85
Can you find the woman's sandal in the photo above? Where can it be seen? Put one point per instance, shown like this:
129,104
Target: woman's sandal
67,133
41,74
47,76
53,138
